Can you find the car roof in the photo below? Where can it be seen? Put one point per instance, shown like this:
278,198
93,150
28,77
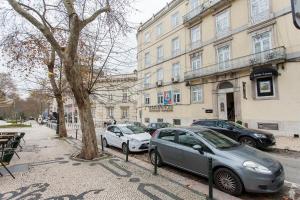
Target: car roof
121,125
188,128
209,120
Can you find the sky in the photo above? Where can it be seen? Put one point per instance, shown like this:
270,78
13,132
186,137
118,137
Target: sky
144,11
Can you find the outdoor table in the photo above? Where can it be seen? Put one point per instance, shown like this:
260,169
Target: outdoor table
8,133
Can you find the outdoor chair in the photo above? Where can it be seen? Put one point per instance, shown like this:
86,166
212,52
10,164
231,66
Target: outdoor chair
22,134
14,145
5,160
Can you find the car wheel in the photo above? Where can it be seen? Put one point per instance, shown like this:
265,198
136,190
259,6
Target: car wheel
105,144
152,159
124,148
248,140
228,182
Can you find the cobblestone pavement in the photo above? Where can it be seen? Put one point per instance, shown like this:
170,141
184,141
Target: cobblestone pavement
51,174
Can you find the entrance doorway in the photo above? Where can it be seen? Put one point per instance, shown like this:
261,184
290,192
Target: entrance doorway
226,105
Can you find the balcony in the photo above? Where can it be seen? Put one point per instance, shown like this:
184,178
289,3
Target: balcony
203,9
272,56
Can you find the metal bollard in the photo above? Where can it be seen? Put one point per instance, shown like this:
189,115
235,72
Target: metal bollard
155,161
76,133
102,147
127,150
210,179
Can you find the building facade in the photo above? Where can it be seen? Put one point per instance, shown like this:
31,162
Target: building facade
114,98
227,59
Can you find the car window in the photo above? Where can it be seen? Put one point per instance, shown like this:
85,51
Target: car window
116,130
110,128
168,135
152,125
188,139
131,129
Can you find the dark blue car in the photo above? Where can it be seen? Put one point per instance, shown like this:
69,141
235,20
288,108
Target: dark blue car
254,138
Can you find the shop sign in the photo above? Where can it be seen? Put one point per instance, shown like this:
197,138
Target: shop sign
161,108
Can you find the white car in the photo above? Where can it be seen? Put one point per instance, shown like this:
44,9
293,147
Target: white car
117,136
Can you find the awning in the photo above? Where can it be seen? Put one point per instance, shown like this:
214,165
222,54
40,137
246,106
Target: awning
263,71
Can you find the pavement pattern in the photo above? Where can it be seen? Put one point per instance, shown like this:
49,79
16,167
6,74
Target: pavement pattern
45,171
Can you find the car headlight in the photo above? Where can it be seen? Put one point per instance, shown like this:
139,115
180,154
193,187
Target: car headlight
255,167
259,135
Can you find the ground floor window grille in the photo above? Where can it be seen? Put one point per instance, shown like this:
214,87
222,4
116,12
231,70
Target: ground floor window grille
177,122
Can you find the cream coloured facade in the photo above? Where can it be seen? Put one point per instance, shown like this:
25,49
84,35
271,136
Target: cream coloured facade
227,59
115,98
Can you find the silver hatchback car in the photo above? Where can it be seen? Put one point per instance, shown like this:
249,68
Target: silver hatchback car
236,167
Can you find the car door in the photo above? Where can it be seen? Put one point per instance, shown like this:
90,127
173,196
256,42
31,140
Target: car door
167,147
109,135
118,137
193,160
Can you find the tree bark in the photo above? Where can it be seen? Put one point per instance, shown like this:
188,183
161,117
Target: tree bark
61,119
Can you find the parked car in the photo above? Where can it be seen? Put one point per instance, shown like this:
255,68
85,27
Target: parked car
236,167
117,136
252,137
152,127
139,124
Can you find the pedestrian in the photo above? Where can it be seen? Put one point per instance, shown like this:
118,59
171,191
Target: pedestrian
115,122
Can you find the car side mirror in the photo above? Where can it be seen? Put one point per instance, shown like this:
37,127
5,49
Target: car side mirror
198,148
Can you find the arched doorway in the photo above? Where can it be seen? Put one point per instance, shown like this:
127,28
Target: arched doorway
226,108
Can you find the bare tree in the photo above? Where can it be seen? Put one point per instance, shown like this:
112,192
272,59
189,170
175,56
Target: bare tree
30,53
75,17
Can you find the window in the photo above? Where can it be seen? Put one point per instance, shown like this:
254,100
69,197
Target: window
176,97
110,112
222,23
160,98
147,99
125,96
147,120
194,4
124,113
262,42
268,126
260,10
196,61
223,57
160,53
160,74
110,97
147,59
159,30
197,94
265,87
147,81
175,19
195,37
160,120
187,139
177,122
176,70
168,135
175,47
147,37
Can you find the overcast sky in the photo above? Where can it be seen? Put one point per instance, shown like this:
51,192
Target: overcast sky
145,10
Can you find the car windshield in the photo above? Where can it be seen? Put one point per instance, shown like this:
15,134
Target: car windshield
217,139
163,125
236,125
131,129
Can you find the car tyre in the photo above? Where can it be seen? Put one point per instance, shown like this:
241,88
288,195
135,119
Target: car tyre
227,181
105,144
249,141
152,158
124,148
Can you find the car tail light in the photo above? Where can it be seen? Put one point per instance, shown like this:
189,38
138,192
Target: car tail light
155,133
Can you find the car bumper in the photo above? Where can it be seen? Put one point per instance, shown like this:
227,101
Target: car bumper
265,142
139,147
263,183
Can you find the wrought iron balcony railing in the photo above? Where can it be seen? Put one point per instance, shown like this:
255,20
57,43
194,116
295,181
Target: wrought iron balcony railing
275,55
198,11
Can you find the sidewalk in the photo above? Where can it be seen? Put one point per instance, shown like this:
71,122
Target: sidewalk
287,143
45,171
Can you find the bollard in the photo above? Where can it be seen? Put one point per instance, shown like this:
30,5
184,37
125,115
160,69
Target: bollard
102,147
210,179
127,150
76,133
155,161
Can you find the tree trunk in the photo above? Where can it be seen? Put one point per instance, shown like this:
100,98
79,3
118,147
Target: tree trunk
89,149
62,125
